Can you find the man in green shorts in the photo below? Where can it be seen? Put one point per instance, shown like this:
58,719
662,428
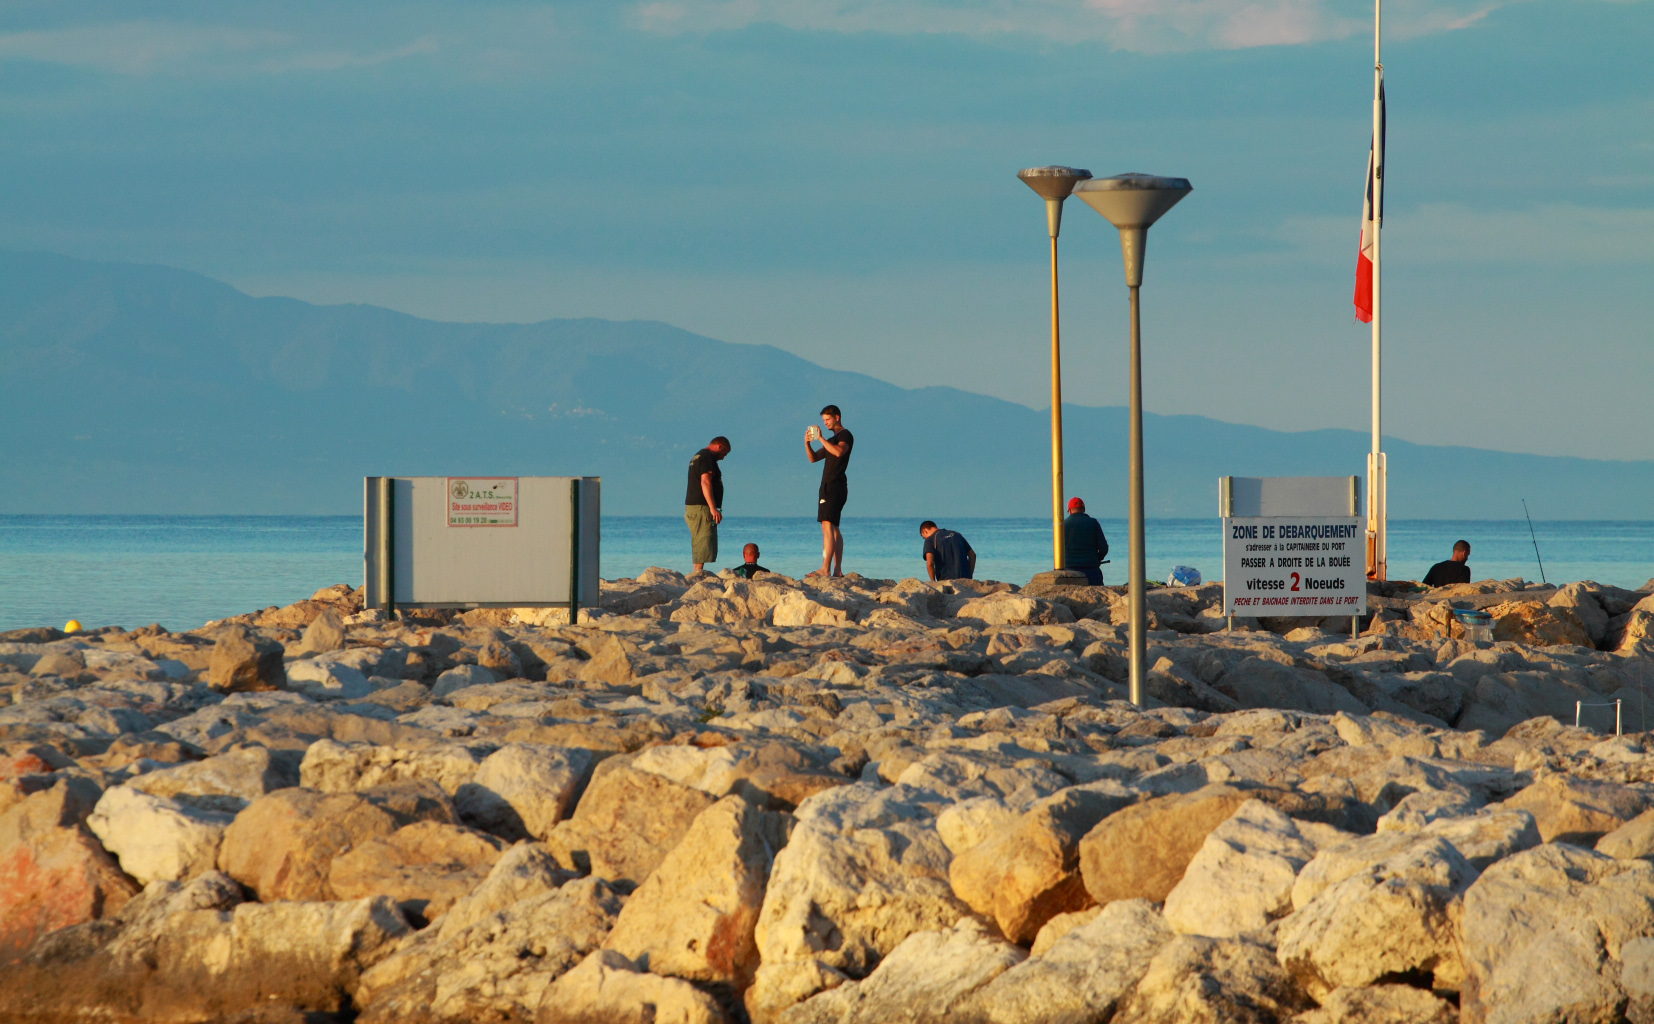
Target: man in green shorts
703,502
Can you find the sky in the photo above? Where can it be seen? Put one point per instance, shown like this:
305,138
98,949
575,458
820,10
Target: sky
836,178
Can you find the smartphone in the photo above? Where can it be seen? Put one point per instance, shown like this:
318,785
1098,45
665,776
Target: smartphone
813,432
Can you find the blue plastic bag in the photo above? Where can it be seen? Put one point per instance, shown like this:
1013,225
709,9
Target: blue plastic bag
1183,576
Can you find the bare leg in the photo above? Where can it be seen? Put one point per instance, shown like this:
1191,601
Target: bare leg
827,532
838,552
698,567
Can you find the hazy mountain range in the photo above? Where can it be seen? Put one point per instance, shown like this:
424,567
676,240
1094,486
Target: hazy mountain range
128,389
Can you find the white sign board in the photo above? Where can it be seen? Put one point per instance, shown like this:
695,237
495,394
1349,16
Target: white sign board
1293,546
1289,565
482,501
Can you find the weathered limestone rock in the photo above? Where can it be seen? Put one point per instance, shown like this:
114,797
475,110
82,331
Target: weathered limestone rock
194,952
1543,932
1004,609
1241,878
492,956
53,874
242,660
1538,625
1141,851
798,610
282,845
1635,838
325,633
775,773
1577,811
625,825
930,976
157,839
695,915
1082,976
1193,980
608,660
522,790
863,870
1030,873
225,782
1578,599
333,767
424,867
607,988
1261,683
326,678
460,677
1394,918
1380,1004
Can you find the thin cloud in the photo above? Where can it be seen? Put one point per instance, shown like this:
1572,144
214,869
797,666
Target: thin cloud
1142,25
160,48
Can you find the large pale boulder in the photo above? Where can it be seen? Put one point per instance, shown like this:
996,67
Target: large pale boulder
424,866
242,660
1241,878
53,874
522,790
797,610
460,677
333,767
1142,850
1196,980
863,870
1578,599
491,957
1265,683
1030,872
1380,1004
327,678
930,976
1633,839
1394,918
607,988
157,839
695,915
1538,625
325,633
1543,935
1082,976
625,824
1577,811
775,773
225,782
1006,609
195,952
283,844
1482,839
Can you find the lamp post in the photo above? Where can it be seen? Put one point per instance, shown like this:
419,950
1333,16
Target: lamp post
1133,202
1054,184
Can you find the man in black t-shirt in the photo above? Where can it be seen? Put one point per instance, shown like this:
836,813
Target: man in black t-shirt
703,502
1454,570
749,566
835,487
948,555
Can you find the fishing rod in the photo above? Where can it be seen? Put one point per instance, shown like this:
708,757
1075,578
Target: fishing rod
1535,540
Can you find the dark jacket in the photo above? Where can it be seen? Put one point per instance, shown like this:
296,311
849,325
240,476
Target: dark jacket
1083,543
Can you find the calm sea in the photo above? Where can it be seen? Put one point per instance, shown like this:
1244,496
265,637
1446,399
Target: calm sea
181,571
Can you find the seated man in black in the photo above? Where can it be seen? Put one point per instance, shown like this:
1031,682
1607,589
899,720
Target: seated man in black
1084,546
948,555
749,567
1454,570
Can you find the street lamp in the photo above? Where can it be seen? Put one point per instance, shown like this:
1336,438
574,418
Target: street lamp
1133,202
1054,184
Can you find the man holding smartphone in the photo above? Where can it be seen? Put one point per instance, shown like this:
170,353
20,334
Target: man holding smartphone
835,487
703,502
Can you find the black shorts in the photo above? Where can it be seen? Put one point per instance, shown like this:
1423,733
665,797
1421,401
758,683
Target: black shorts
830,501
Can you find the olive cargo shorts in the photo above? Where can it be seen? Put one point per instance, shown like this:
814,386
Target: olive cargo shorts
703,534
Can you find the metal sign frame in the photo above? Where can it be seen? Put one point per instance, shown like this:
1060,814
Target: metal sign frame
414,556
1305,523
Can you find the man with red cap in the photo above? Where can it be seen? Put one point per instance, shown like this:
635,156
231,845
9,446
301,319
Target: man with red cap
1083,545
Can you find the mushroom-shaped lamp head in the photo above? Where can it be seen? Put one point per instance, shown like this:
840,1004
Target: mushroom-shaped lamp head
1132,202
1054,184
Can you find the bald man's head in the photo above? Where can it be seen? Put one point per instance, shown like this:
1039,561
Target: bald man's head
750,553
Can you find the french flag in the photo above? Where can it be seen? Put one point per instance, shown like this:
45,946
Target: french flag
1372,214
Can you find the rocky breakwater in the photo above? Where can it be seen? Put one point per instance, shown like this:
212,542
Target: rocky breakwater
803,802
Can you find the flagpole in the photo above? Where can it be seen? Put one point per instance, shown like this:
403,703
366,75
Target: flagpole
1377,480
